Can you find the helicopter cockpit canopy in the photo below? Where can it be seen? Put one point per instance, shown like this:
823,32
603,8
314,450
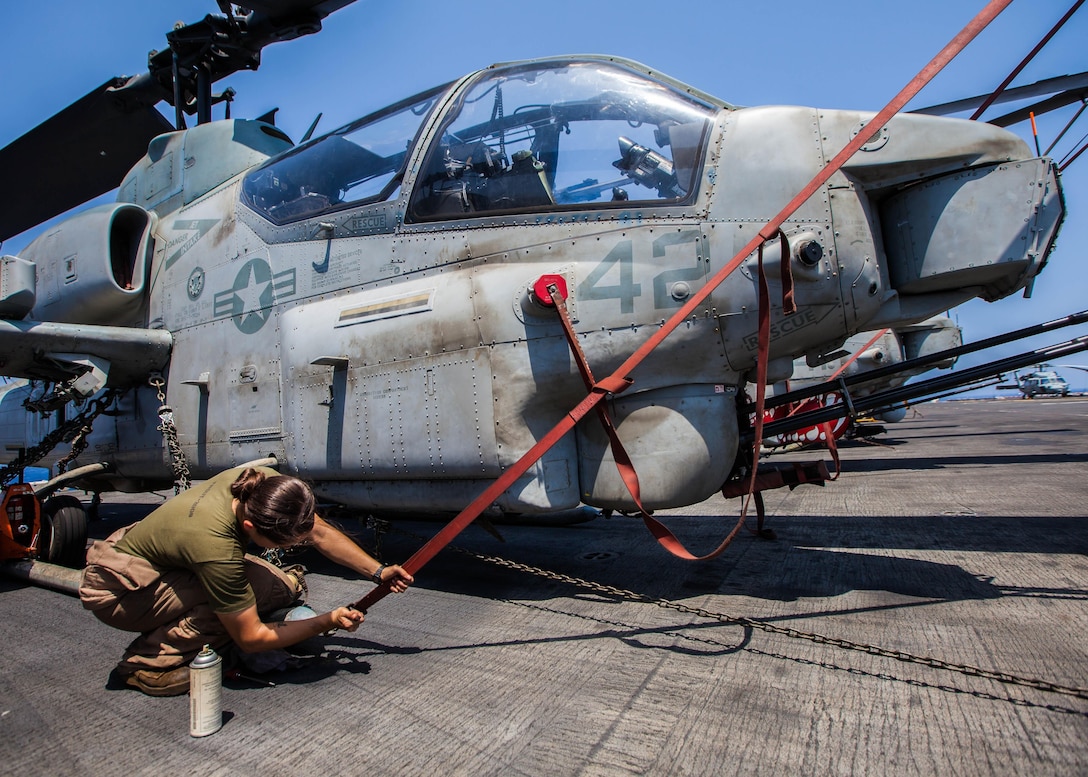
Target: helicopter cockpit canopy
360,163
563,133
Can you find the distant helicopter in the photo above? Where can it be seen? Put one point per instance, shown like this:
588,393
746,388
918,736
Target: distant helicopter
376,308
1040,382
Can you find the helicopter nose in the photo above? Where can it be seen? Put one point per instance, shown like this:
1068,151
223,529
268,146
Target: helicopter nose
961,205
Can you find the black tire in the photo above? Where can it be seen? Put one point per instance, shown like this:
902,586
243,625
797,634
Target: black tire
64,532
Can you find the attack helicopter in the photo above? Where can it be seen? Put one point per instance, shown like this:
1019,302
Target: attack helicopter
376,308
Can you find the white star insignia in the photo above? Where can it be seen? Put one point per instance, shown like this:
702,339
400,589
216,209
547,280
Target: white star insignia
250,297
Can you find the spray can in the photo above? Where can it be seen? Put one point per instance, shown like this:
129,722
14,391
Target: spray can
205,693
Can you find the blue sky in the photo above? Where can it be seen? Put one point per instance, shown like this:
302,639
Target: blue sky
853,54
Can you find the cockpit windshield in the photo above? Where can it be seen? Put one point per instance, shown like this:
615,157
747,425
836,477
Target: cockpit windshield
551,134
560,134
363,162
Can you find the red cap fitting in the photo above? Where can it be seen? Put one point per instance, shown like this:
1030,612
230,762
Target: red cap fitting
540,289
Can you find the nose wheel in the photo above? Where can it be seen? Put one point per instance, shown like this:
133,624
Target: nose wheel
64,532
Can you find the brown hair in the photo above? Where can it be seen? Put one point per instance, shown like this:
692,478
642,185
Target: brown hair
280,507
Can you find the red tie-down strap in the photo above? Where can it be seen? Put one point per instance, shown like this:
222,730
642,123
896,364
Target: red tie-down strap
778,476
832,447
431,548
625,466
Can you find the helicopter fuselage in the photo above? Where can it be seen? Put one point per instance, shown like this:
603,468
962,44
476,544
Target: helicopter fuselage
375,326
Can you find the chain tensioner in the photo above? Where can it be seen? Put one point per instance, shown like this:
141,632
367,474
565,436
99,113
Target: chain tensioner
182,478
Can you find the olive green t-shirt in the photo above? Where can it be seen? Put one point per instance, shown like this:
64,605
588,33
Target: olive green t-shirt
197,530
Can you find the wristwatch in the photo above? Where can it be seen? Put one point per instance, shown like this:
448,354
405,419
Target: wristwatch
377,576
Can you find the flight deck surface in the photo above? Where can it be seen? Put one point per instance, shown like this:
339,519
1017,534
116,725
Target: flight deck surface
958,539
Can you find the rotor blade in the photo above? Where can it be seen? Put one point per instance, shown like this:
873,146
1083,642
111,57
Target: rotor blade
1024,62
1062,85
78,154
1059,100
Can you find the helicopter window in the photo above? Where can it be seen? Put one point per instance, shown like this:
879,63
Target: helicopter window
360,163
561,135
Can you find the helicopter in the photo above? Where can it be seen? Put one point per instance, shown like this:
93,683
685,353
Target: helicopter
1043,381
376,308
860,354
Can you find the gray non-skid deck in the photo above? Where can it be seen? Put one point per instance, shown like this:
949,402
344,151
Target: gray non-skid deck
961,537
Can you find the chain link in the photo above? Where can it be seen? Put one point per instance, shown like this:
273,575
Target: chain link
380,527
770,628
75,430
79,444
182,477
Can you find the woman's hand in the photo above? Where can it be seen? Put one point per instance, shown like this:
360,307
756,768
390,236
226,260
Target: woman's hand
397,578
346,618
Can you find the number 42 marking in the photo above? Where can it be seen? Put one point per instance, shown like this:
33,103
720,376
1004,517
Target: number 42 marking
622,257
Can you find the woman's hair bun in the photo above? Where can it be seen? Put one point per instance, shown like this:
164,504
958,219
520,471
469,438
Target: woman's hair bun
280,507
246,483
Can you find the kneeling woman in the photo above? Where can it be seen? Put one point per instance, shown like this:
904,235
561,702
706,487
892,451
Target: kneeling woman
182,577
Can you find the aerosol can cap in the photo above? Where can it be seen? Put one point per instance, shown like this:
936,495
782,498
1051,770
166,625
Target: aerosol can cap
206,657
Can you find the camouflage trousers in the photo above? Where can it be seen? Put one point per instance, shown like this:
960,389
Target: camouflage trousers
168,607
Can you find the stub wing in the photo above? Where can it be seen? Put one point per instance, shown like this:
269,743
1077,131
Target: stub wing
100,355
